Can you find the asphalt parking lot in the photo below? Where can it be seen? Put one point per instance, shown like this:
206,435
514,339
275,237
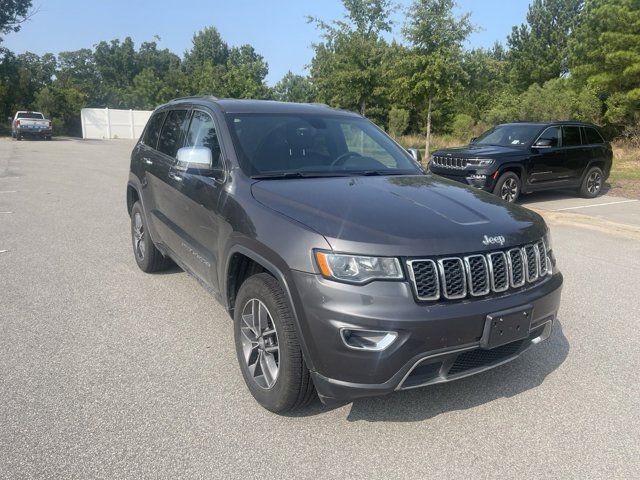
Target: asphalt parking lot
106,372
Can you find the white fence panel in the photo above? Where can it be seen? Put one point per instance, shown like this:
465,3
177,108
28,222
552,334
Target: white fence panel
110,123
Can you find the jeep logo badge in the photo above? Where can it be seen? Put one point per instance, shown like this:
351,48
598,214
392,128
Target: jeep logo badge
497,240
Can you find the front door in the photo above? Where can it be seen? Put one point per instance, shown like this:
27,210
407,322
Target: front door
547,164
195,202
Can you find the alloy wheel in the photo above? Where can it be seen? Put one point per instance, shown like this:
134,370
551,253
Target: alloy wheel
594,183
509,190
260,343
138,236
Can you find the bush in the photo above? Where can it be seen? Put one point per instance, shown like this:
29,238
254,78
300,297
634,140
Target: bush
463,126
398,121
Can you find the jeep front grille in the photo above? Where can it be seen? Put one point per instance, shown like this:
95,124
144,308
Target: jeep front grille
450,162
476,275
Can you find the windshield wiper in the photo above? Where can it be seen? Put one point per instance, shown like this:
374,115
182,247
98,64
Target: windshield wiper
281,175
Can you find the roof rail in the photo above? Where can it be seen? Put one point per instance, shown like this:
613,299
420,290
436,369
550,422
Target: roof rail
319,104
192,97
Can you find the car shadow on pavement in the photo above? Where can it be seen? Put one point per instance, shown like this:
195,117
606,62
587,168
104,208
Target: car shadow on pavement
551,195
524,373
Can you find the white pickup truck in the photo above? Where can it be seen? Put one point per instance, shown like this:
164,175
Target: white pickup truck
30,124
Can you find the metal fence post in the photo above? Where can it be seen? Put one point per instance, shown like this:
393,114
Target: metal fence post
133,133
108,122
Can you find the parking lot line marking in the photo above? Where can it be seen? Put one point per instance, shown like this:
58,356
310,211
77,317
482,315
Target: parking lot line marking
6,212
9,191
595,205
4,251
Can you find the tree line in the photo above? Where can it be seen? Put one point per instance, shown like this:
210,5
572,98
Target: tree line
571,59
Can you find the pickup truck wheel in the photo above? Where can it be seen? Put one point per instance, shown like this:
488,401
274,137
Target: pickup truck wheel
508,187
18,137
267,346
147,256
592,183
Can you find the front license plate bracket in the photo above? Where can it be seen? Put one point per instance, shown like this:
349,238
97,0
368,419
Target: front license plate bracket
505,327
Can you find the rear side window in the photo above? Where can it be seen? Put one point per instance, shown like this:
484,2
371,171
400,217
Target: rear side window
202,133
152,132
571,136
592,136
551,134
173,132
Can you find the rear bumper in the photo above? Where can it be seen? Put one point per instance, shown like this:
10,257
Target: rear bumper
34,132
436,343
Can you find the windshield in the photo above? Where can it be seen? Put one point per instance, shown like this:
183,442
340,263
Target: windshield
509,135
287,145
34,115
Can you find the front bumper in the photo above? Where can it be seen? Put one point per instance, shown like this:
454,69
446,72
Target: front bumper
480,178
436,342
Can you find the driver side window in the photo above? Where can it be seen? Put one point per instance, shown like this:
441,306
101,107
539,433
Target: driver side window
552,135
359,142
202,133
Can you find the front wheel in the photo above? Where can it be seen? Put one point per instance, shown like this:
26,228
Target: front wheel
592,183
267,346
508,187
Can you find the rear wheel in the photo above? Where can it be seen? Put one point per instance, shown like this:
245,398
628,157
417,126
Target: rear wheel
508,187
592,183
147,256
267,346
18,137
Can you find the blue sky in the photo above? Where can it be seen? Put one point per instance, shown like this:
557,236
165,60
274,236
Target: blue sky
277,28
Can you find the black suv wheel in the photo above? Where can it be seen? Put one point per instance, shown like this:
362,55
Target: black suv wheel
267,346
147,256
508,187
592,183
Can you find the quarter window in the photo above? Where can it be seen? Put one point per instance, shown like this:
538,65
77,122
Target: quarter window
593,136
152,132
202,133
571,136
173,132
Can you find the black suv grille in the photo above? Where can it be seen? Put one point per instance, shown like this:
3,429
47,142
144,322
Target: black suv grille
481,358
476,275
450,162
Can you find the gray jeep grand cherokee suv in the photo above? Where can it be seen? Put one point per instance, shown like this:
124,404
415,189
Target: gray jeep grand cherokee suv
347,269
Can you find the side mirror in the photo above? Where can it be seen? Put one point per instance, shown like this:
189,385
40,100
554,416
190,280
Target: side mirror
195,159
473,139
415,153
544,143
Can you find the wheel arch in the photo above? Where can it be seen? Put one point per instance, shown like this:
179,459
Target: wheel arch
238,254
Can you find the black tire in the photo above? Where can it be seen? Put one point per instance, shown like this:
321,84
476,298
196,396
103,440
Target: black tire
592,183
147,256
48,137
18,137
291,387
508,187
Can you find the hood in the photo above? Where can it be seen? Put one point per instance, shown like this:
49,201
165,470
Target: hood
399,215
485,151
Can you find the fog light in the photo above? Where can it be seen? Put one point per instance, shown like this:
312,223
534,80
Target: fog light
477,180
372,340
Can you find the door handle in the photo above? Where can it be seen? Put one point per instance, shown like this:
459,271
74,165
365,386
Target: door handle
147,160
174,176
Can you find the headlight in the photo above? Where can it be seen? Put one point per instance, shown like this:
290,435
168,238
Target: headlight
358,269
479,162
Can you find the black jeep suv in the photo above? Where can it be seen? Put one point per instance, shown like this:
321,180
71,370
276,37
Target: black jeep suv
516,158
347,270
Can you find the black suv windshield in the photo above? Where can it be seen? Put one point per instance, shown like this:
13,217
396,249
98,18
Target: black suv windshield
509,135
288,145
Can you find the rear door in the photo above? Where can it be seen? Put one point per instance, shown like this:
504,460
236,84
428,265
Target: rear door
576,154
163,184
194,208
596,147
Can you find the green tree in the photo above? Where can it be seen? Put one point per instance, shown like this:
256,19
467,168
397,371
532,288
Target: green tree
539,49
294,88
605,56
12,14
245,74
348,66
207,46
62,105
398,121
434,68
